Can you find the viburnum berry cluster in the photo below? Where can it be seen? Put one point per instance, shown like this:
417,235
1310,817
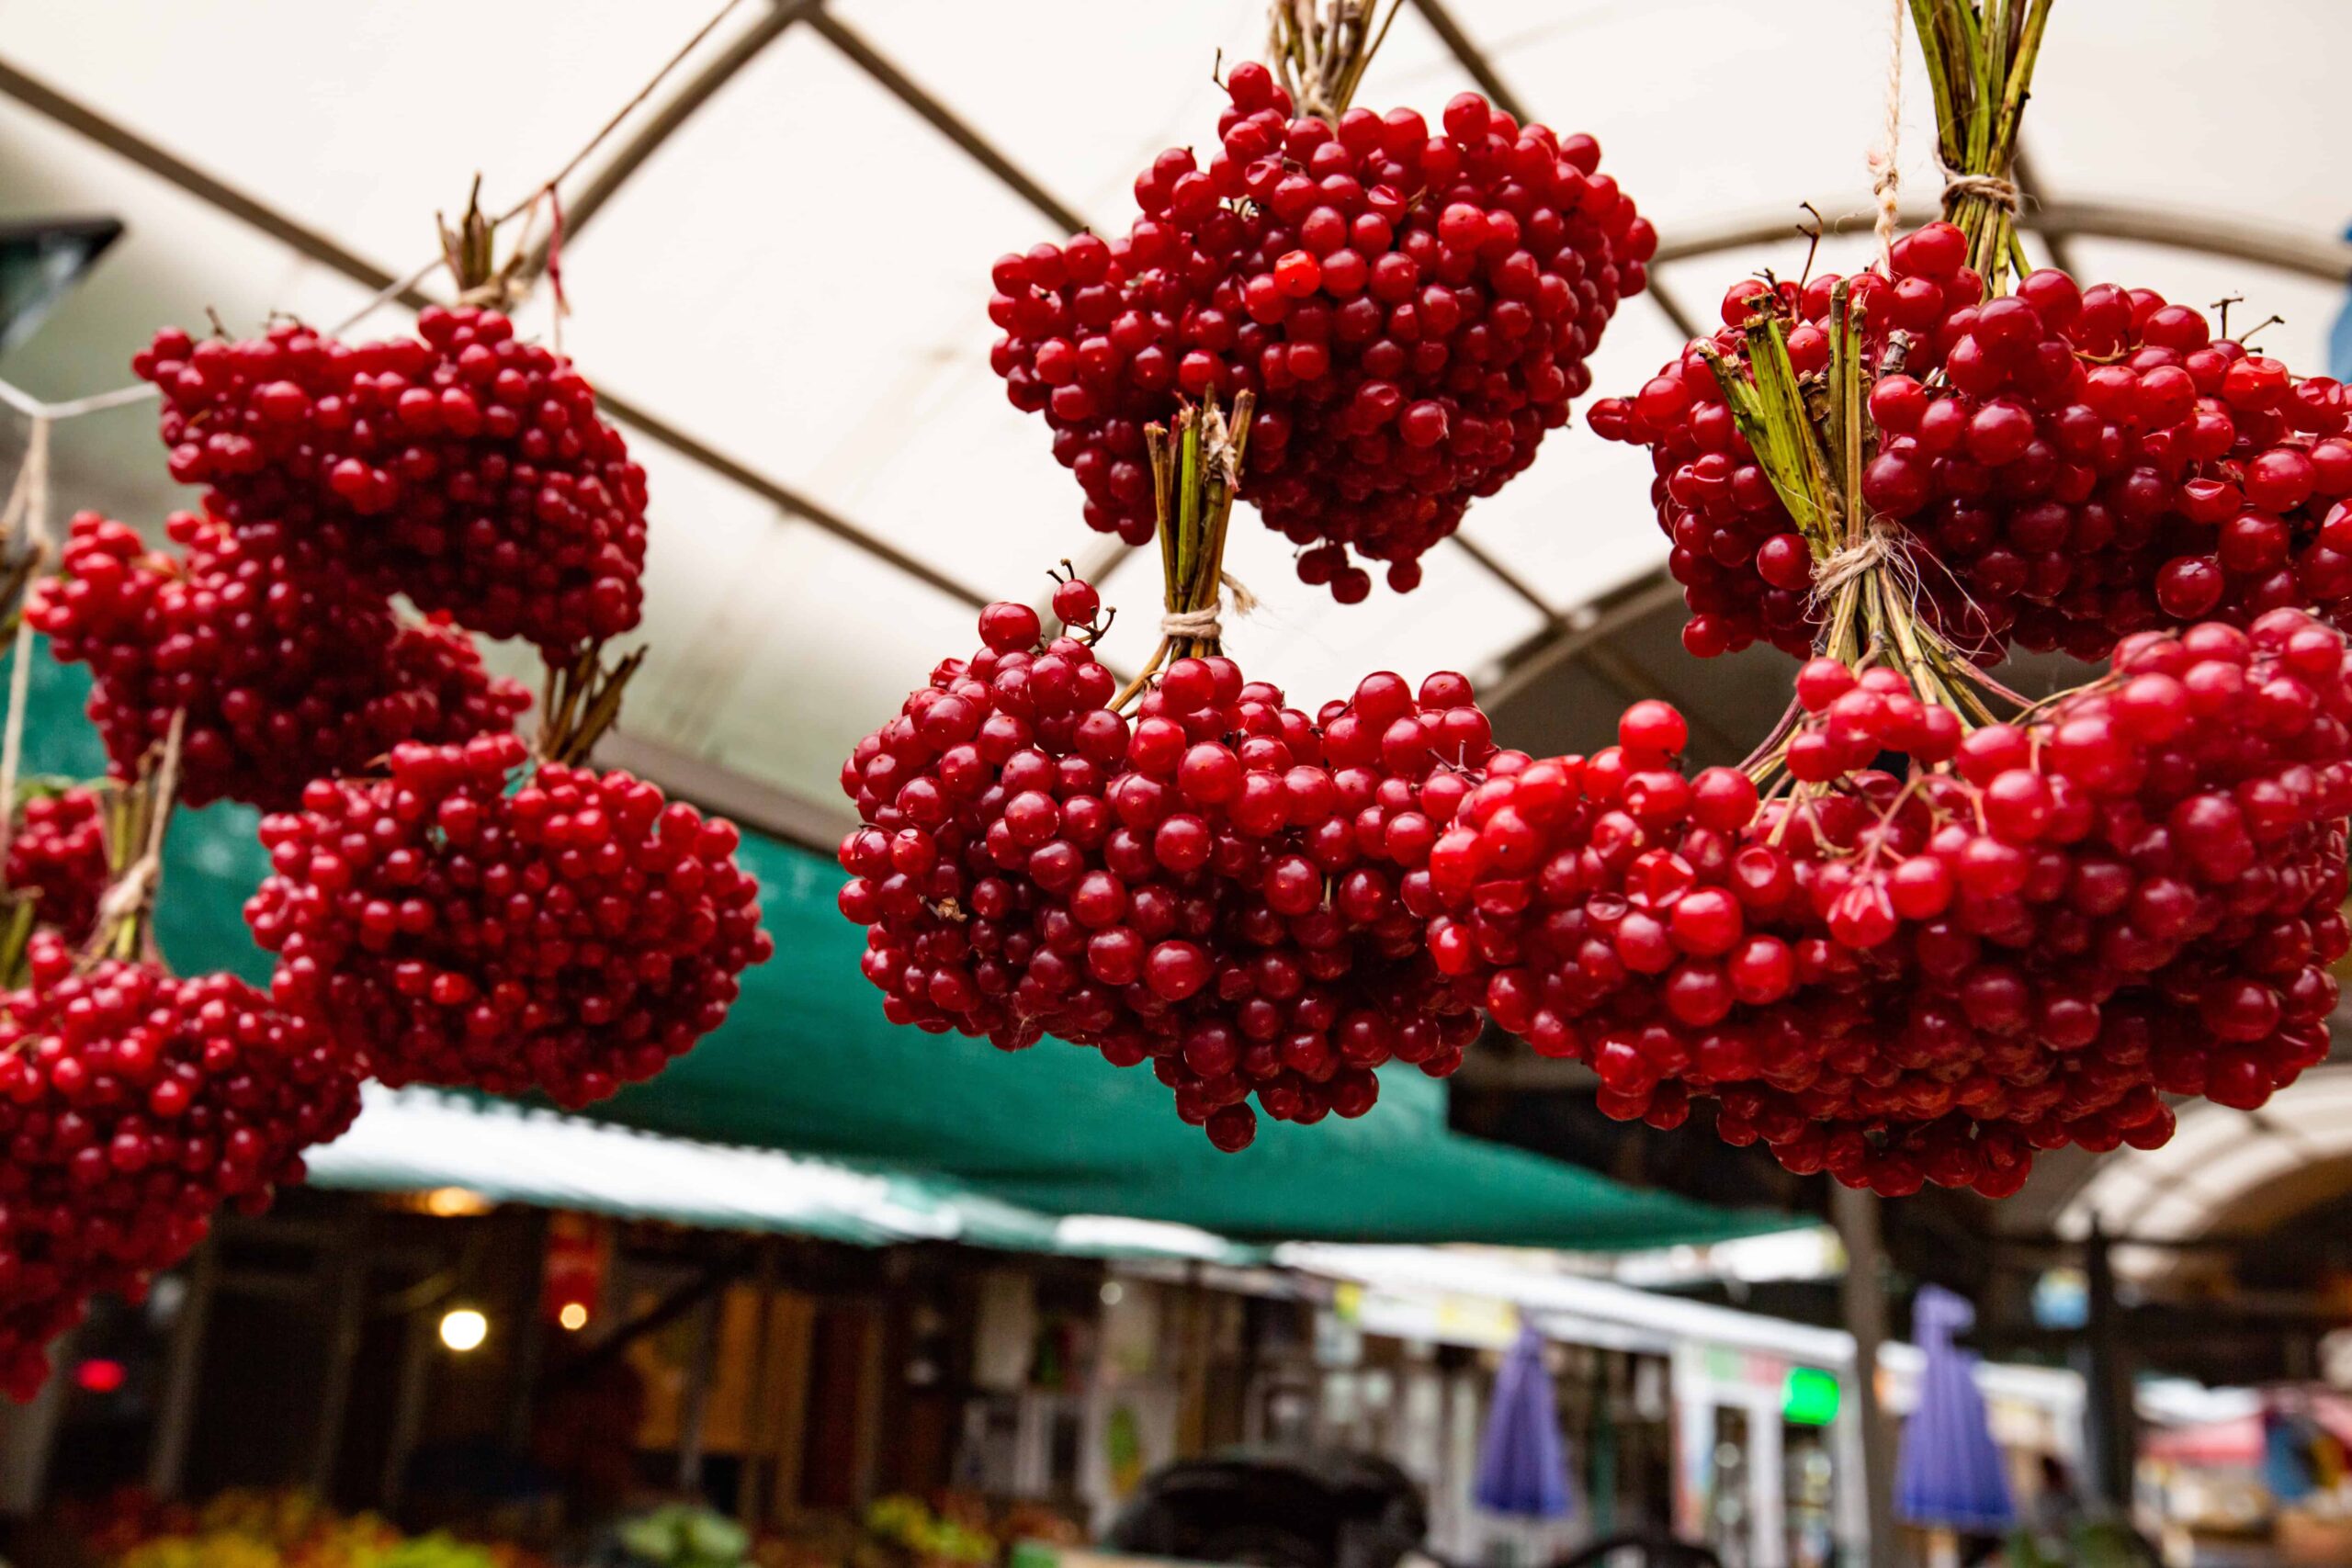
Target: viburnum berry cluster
285,667
2025,943
1412,310
570,934
58,857
132,1105
464,468
2067,465
1215,883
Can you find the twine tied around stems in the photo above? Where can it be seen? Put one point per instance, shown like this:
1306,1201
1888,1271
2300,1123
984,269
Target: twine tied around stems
127,898
2001,192
1205,625
1882,541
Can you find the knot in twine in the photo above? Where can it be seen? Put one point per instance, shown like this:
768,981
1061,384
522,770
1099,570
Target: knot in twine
1880,542
1205,625
2001,192
126,895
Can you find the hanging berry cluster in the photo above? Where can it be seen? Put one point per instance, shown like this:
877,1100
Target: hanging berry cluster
447,904
1926,931
1411,311
1190,872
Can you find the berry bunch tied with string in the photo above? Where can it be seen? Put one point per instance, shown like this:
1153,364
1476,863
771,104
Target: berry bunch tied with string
465,468
2063,464
1411,306
1185,870
134,1104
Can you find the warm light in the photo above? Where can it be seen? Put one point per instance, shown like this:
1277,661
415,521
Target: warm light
464,1329
99,1375
573,1316
456,1202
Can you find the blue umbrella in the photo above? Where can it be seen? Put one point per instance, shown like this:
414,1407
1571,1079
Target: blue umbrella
1950,1474
1522,1464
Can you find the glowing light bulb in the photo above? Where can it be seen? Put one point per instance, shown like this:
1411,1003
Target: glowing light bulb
464,1329
572,1316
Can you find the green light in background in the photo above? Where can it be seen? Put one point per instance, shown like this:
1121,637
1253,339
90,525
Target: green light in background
1809,1398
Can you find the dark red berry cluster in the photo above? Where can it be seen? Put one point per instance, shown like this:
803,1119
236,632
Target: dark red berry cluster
570,935
2068,465
2134,892
1413,311
132,1105
57,857
1215,883
463,467
286,670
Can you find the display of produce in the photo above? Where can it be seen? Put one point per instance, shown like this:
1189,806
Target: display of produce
464,468
1411,306
474,918
1188,871
284,669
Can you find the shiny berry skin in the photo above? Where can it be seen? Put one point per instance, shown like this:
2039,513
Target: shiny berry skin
1411,312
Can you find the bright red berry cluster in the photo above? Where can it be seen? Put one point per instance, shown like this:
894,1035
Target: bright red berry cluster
58,857
570,936
132,1105
1413,311
2084,462
463,467
1217,884
2134,892
286,669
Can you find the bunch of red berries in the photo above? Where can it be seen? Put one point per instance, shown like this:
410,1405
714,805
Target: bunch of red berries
570,936
58,857
2136,891
2067,465
1215,883
132,1105
286,669
464,468
1412,311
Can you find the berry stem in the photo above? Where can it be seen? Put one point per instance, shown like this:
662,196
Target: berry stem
136,819
581,701
1980,56
1321,49
1197,472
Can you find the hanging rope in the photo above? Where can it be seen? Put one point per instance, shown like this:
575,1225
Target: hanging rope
27,519
1886,175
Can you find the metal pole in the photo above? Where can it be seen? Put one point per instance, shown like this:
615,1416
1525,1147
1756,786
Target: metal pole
2108,1408
176,1414
1864,1296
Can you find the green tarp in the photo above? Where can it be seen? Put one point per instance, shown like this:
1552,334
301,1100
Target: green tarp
808,1064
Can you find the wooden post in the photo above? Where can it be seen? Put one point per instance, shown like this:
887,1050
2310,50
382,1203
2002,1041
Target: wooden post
347,1274
408,1411
695,1408
760,1417
175,1414
1864,1296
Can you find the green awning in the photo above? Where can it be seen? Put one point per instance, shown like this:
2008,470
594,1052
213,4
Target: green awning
808,1064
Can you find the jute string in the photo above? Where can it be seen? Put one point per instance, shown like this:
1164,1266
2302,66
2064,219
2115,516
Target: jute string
2001,192
1883,161
1206,624
25,521
129,893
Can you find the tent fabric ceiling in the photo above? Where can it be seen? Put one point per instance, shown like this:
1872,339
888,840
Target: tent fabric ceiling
793,276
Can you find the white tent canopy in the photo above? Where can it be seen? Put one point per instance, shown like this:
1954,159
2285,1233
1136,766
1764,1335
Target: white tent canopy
780,261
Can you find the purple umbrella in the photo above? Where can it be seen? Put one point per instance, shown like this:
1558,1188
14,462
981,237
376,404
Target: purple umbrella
1522,1465
1950,1474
